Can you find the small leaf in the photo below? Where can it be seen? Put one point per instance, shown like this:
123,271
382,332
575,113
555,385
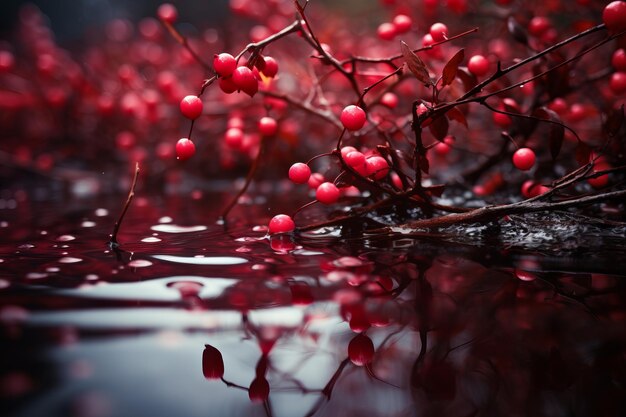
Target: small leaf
439,128
583,152
614,121
452,67
467,78
436,190
405,156
557,130
415,64
457,115
517,31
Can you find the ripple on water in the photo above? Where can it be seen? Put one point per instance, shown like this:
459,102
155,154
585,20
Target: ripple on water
205,260
139,263
172,228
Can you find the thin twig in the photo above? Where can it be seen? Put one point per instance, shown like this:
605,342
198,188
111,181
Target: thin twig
113,243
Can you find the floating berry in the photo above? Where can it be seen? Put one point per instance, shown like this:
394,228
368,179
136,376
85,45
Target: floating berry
524,159
185,149
191,107
353,117
299,173
281,223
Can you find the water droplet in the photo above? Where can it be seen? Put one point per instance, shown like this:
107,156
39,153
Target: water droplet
347,262
150,239
165,219
91,277
26,246
88,223
53,269
101,212
43,232
259,267
172,228
69,260
66,238
139,263
259,229
4,284
243,249
36,275
4,224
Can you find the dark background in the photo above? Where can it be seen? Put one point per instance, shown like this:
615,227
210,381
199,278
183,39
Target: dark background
70,19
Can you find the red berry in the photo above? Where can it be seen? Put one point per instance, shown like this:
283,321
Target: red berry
524,159
167,13
327,193
356,160
315,180
191,107
244,79
353,117
361,350
618,82
227,85
346,150
538,25
268,126
614,16
259,390
233,138
185,149
281,223
212,363
402,23
619,59
299,173
390,100
270,69
377,167
386,31
224,64
478,65
439,32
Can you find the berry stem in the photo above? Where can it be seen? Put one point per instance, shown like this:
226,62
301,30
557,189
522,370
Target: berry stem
113,243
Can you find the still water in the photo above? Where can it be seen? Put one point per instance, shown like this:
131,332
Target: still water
195,319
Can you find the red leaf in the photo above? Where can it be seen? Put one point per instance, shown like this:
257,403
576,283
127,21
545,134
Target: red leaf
457,115
467,78
452,67
439,128
415,64
436,190
557,130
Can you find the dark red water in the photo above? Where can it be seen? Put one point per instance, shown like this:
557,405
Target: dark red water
193,319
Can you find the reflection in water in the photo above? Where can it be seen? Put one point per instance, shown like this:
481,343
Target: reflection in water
284,327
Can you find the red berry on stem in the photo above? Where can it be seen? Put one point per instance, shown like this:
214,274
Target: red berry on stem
299,173
478,65
167,13
227,85
402,23
244,79
524,159
614,16
327,193
439,32
212,363
618,82
619,59
346,150
233,138
361,350
353,117
356,160
191,107
281,223
270,69
538,25
268,126
377,167
259,390
185,149
315,181
224,64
